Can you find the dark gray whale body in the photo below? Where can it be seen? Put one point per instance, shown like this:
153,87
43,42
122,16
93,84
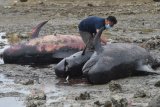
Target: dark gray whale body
72,65
109,62
117,60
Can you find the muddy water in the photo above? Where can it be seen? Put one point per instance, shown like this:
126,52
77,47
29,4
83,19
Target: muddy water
4,2
11,102
6,87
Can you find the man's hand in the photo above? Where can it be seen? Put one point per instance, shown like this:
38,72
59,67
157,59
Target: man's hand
103,41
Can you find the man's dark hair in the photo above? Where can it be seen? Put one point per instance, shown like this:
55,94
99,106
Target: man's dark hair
112,19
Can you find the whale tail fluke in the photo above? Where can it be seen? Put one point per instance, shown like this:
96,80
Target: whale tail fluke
35,31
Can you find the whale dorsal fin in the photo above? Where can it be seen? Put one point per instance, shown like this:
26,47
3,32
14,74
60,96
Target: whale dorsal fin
35,31
97,41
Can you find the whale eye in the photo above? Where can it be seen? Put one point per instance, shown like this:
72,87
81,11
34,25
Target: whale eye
74,56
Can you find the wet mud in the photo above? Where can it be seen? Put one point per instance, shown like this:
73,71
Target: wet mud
38,86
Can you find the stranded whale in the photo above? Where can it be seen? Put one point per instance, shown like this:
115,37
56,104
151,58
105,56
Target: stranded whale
43,50
112,61
117,60
72,66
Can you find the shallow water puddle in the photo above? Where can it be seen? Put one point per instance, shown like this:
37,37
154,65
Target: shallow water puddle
11,102
5,80
7,86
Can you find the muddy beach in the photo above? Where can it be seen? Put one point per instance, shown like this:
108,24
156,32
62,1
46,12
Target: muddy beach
38,86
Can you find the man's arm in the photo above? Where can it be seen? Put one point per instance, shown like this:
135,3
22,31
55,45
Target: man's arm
102,40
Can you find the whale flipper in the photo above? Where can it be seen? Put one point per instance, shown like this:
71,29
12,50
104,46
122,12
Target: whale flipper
143,70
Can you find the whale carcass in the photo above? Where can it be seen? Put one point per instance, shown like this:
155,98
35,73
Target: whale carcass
117,60
72,66
43,50
109,62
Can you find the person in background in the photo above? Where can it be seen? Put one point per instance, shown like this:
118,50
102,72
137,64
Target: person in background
90,26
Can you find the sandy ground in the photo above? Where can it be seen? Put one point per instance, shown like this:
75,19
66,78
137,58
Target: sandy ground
137,20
